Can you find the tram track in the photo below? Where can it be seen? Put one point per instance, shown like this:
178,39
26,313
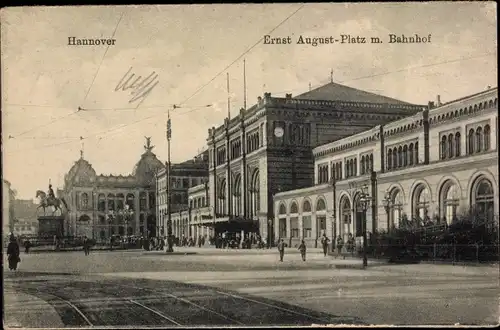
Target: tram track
166,303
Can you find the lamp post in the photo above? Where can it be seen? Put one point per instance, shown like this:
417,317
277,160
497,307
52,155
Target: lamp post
189,215
270,232
127,213
110,221
333,183
170,243
387,206
364,200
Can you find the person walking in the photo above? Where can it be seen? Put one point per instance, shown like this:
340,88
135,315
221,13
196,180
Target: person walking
324,243
302,249
281,249
340,246
13,253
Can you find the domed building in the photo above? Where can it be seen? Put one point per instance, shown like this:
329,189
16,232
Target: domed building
104,205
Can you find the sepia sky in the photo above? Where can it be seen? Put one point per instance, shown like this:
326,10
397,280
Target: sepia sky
44,80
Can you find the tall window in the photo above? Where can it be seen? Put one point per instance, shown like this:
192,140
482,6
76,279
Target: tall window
294,220
320,217
396,210
443,147
484,198
487,141
256,193
395,158
282,221
479,139
222,197
457,144
370,168
470,142
410,152
101,204
451,200
306,220
363,165
405,156
111,202
120,199
416,153
400,156
389,159
236,196
346,216
450,146
421,202
85,201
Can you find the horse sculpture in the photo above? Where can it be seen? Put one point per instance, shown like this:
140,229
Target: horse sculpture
50,201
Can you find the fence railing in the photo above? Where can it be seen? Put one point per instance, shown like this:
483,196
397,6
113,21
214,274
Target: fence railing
439,252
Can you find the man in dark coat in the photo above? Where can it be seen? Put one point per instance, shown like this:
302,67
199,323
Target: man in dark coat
13,253
281,249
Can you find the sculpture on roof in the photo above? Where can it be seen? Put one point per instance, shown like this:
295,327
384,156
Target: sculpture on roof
148,145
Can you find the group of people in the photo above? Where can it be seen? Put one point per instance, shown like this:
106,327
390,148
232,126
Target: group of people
302,247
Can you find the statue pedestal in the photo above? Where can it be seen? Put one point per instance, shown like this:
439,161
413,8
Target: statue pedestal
51,225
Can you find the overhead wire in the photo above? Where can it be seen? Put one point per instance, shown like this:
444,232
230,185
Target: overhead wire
102,59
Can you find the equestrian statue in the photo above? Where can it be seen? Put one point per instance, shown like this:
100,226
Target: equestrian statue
50,200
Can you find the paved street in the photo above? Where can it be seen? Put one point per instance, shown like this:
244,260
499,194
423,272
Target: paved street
228,287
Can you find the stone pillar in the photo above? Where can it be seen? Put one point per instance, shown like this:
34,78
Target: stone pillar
314,225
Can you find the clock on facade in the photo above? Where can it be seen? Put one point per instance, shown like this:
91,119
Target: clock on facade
278,132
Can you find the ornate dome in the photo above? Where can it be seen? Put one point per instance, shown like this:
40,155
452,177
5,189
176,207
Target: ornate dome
81,171
147,166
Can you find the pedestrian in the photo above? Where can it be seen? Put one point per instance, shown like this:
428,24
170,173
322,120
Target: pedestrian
302,249
281,249
27,245
13,253
324,243
340,245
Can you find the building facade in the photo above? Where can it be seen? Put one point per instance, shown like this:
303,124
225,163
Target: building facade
25,211
184,176
435,165
7,208
105,205
268,148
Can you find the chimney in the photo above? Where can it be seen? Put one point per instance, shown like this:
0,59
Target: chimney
438,101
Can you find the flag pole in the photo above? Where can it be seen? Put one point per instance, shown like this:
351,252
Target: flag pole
170,243
228,99
244,85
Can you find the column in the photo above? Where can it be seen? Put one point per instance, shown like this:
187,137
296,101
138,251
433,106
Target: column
314,225
288,228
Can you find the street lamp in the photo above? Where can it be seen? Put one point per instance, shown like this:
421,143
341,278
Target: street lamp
387,206
110,221
190,202
170,243
364,200
270,234
333,183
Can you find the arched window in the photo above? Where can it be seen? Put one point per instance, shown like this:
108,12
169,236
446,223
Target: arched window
416,153
396,209
346,217
487,141
294,208
400,156
394,158
222,197
362,165
443,147
320,205
450,146
421,201
457,144
484,198
410,154
371,163
470,142
405,155
142,201
237,195
282,210
355,162
450,200
479,139
306,206
101,203
389,159
111,202
256,193
120,201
